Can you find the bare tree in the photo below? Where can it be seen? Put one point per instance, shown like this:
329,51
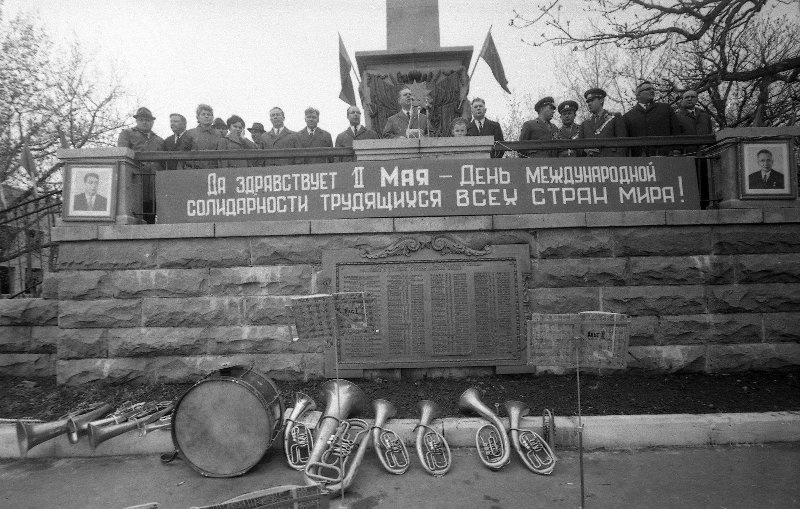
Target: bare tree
49,99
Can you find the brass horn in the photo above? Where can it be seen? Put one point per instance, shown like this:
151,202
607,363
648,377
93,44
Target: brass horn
79,425
531,448
338,448
391,451
491,439
432,448
149,413
297,438
31,433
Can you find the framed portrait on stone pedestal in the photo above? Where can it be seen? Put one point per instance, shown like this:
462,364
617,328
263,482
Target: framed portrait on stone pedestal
90,192
767,170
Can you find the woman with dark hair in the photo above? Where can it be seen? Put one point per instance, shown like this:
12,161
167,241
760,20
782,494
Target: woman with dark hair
234,141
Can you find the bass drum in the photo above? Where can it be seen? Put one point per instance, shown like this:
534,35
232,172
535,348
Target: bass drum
225,424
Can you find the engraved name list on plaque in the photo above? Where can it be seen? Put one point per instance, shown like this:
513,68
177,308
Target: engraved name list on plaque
434,303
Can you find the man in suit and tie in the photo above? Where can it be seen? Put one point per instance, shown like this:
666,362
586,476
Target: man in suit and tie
356,131
312,137
278,137
482,126
409,122
89,200
179,141
766,177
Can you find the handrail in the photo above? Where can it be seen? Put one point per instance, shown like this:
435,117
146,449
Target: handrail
283,153
643,141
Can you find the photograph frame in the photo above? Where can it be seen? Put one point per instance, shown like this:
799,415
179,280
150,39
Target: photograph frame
782,150
74,188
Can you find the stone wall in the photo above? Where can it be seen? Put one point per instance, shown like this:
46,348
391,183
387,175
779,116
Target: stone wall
706,290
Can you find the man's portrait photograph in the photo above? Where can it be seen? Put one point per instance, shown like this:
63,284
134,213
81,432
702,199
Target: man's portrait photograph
766,170
90,190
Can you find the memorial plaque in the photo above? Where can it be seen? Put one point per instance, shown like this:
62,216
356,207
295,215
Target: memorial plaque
435,303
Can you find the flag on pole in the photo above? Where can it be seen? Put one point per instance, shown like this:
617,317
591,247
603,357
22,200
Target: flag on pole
492,58
347,94
27,162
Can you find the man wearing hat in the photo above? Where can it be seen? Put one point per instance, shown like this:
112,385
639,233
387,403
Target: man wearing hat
256,132
650,118
142,138
601,124
540,128
355,131
569,130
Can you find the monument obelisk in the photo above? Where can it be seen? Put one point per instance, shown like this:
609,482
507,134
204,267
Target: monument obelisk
413,58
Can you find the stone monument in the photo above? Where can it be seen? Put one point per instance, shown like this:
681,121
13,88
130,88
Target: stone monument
415,59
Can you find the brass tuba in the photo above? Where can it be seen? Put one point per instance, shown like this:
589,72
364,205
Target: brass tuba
531,448
340,443
432,448
297,438
32,433
491,439
146,414
391,451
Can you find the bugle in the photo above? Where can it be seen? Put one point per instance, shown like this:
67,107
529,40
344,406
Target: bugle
78,425
148,414
432,448
531,448
32,433
391,451
297,438
491,440
338,448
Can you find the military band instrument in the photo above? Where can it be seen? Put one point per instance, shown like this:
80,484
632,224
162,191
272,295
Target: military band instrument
432,448
149,413
78,426
297,438
32,433
549,429
340,443
391,451
491,440
531,448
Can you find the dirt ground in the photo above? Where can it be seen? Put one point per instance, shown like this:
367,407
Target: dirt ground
613,394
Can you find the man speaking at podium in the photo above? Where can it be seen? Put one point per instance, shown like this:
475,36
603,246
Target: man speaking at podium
408,122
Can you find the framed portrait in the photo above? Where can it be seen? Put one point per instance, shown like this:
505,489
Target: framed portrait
90,192
767,170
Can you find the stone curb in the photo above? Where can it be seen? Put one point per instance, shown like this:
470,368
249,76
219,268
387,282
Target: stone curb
612,432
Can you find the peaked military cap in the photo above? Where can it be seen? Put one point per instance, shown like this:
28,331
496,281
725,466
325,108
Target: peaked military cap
220,124
544,102
144,113
595,92
567,106
258,127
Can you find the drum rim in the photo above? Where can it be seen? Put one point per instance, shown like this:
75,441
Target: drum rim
265,404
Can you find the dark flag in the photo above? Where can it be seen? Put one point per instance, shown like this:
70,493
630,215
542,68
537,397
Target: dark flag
492,58
347,94
27,162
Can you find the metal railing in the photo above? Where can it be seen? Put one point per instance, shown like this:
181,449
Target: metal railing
26,251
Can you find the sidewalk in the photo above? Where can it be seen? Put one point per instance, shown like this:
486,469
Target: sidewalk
731,477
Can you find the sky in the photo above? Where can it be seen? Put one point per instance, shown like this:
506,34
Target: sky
245,56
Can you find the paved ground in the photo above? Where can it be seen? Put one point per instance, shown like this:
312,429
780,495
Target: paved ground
719,477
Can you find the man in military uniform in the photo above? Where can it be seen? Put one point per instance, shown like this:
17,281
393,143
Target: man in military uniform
601,124
569,130
355,131
540,128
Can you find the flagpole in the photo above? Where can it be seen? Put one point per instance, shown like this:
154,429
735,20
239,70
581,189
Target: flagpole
481,53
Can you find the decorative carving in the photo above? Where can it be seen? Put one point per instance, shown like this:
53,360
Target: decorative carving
443,244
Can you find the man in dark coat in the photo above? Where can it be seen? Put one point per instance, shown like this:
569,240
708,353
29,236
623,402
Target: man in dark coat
692,119
482,126
650,118
141,139
601,124
312,137
569,130
278,137
356,131
540,128
179,141
409,122
766,177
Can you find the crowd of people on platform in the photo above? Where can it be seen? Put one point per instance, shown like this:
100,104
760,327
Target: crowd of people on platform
646,118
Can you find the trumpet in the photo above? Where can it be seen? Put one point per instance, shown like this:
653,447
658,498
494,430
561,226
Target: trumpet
432,448
297,438
78,425
340,443
145,414
31,433
391,451
531,448
491,439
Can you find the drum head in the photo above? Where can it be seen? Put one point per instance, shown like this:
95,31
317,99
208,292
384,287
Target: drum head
222,427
